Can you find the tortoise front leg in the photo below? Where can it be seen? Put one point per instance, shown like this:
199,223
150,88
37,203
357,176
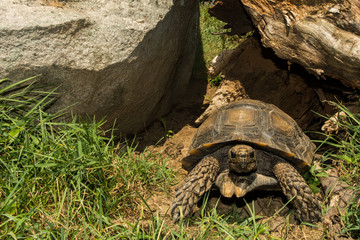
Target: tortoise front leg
293,184
195,185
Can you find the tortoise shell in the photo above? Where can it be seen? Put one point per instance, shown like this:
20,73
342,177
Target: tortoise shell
255,123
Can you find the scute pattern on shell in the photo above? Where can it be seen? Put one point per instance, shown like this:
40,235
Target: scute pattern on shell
255,123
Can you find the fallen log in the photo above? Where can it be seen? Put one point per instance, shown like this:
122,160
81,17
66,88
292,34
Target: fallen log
321,35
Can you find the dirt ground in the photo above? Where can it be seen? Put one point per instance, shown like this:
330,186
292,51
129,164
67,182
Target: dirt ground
181,123
270,82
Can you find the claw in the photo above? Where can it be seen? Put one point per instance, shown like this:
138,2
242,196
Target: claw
239,192
176,218
227,189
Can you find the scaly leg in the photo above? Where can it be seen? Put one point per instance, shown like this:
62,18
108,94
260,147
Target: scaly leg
293,184
195,185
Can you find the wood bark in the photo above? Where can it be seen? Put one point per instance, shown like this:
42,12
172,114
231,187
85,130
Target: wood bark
322,36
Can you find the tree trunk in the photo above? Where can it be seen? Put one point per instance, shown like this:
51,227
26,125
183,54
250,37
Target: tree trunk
321,35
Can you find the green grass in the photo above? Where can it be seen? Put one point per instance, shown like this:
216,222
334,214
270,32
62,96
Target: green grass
70,181
210,225
351,220
67,180
344,154
210,44
214,44
345,146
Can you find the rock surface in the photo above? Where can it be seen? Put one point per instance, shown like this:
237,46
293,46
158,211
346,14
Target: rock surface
126,60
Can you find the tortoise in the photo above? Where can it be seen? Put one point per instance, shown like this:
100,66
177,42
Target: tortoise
248,145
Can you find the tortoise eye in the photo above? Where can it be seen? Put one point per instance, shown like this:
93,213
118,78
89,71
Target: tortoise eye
252,154
233,154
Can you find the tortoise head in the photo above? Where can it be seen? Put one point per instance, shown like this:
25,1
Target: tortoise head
242,159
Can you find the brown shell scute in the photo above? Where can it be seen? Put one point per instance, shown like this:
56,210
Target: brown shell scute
256,123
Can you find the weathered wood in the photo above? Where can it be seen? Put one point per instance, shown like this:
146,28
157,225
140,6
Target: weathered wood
323,36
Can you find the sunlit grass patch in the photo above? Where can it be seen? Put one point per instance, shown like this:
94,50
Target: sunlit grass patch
344,154
212,43
351,219
67,180
345,145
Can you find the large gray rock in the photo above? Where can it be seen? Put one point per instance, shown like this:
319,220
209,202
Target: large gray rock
126,60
